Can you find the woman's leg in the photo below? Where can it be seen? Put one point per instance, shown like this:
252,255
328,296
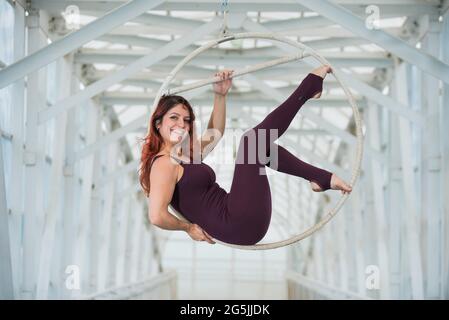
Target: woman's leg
249,200
286,162
263,135
280,118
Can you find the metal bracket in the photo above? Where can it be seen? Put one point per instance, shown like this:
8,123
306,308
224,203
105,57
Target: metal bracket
29,158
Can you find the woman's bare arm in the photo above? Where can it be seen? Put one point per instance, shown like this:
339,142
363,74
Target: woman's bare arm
217,121
163,179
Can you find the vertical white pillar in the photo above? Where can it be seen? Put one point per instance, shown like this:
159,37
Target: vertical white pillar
359,244
64,71
95,212
34,162
394,204
409,188
144,240
69,218
432,169
444,185
105,224
123,220
6,278
343,261
379,203
135,214
16,186
82,239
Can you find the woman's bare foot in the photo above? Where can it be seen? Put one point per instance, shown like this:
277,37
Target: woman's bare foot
336,184
322,72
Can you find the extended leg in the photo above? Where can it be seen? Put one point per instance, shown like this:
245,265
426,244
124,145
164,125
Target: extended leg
281,117
286,162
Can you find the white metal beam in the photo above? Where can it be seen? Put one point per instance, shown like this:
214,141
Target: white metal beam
334,31
123,220
16,186
381,99
395,45
444,134
74,40
432,195
397,7
105,224
410,195
345,59
64,69
83,227
34,164
196,73
69,215
145,42
379,203
234,100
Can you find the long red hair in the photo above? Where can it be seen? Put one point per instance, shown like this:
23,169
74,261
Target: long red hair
153,142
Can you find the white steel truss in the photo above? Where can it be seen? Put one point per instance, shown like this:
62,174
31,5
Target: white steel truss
73,201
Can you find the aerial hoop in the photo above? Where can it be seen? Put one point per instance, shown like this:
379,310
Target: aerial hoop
304,51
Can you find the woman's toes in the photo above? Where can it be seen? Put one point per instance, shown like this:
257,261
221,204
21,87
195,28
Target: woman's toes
315,187
322,71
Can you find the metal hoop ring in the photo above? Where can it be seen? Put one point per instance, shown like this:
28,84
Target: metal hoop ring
305,50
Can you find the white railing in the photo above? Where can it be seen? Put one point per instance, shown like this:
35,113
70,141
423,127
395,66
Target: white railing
136,289
323,289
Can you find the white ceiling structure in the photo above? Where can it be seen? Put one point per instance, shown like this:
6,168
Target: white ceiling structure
123,67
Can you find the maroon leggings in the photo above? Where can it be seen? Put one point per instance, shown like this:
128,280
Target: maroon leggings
249,199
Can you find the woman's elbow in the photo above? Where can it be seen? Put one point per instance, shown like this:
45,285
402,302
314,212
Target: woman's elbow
155,218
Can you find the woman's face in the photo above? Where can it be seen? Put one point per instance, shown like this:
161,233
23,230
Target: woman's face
175,125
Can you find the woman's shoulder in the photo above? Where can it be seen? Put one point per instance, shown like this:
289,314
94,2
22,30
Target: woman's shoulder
163,167
165,160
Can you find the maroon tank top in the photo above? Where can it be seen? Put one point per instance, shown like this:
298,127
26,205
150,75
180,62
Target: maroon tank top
197,194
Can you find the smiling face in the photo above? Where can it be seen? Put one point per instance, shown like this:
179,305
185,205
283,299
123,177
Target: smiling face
175,125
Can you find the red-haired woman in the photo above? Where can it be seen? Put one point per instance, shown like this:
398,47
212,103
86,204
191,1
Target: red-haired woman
169,173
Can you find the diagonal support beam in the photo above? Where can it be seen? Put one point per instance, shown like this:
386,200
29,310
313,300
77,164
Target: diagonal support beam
363,88
349,21
381,99
74,40
131,69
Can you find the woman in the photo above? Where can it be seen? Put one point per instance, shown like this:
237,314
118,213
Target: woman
243,215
